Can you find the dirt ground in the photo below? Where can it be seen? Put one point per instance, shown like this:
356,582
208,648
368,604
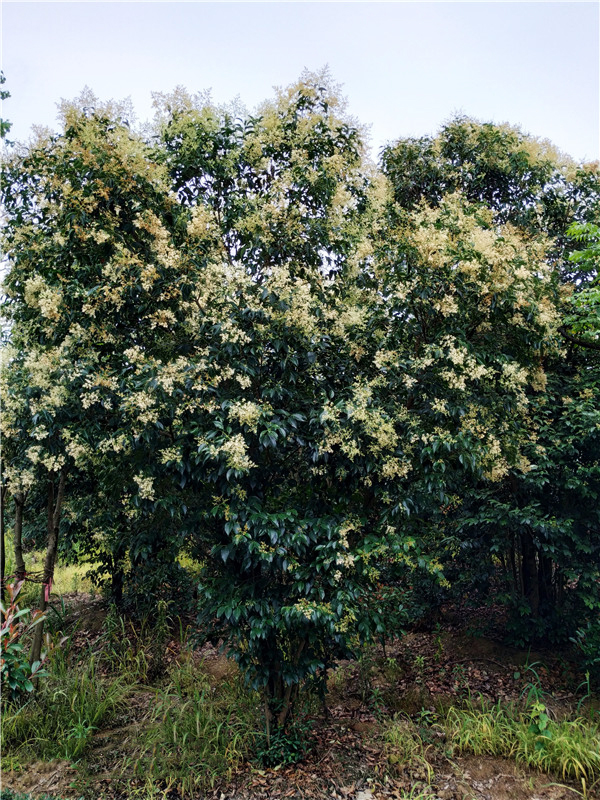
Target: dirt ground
349,770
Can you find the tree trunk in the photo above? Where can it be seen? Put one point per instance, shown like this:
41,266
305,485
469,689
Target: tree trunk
559,589
516,583
54,509
287,692
117,575
2,543
529,569
546,583
20,569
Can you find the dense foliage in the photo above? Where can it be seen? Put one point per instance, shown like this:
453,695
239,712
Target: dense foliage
241,340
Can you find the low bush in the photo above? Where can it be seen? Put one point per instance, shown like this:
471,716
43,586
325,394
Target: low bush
15,626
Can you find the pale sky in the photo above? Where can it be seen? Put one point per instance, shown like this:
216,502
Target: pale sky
405,67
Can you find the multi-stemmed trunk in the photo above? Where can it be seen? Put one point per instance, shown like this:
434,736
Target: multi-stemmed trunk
280,697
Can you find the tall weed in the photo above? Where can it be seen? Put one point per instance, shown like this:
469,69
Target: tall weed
123,649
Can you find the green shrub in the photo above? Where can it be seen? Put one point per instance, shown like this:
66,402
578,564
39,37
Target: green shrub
285,746
17,673
587,642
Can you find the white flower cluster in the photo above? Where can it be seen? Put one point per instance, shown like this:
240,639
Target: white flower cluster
46,298
236,454
247,413
145,486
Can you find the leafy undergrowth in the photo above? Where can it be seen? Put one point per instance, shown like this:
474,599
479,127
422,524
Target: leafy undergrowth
437,715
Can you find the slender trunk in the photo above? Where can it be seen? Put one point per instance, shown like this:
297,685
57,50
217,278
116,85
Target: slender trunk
117,575
267,719
2,542
18,537
54,509
116,589
513,568
547,580
547,593
560,589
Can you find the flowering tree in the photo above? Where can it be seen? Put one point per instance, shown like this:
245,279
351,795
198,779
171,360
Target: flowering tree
239,341
350,364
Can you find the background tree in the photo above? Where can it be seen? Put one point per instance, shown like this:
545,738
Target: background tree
585,317
89,265
541,523
5,127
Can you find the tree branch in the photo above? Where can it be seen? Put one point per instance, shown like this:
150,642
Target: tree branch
577,340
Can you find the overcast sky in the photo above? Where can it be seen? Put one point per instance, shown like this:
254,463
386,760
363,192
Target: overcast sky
405,67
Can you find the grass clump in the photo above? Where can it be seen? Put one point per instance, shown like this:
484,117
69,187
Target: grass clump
197,735
70,704
123,649
568,748
405,749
